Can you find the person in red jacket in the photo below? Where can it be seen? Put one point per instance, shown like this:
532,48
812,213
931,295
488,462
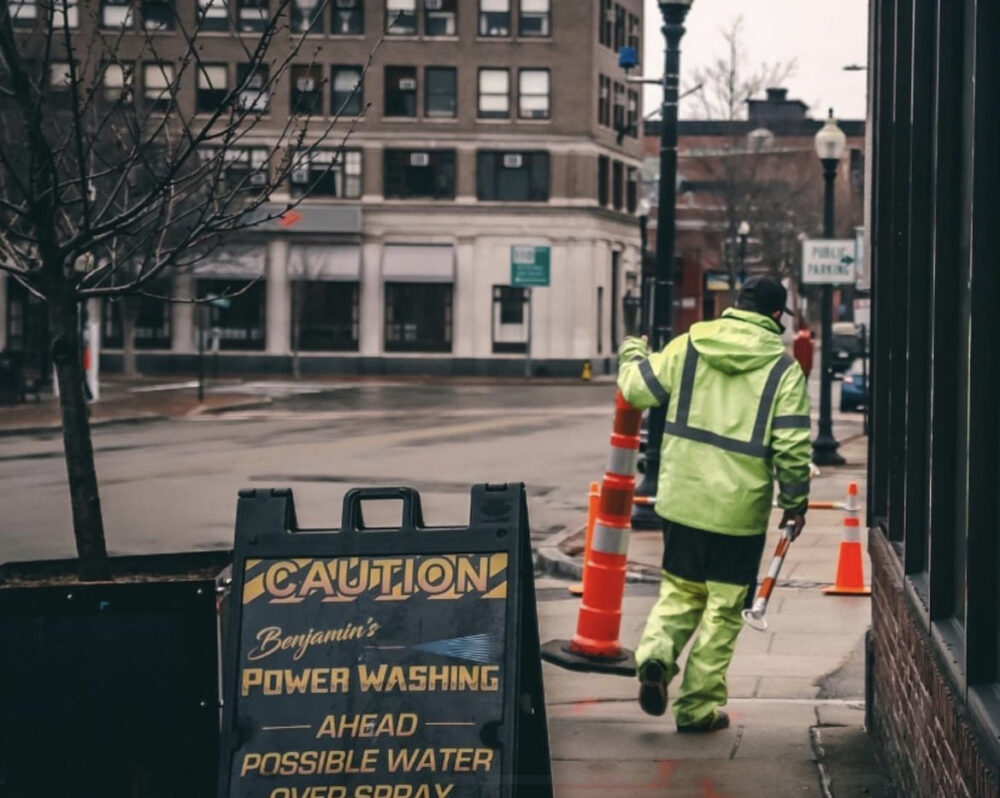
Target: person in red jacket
802,348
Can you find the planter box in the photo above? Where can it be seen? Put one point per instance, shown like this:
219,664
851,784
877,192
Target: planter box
111,689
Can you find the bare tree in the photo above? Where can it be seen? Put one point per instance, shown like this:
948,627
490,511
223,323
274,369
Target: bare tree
105,190
750,176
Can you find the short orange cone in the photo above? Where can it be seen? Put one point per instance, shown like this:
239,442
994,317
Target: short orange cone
593,501
850,573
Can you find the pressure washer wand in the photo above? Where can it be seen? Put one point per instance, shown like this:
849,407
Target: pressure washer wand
754,616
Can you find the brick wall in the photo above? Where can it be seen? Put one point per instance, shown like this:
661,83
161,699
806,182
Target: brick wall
920,725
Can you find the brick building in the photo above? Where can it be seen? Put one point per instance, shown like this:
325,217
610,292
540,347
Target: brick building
934,683
482,128
762,170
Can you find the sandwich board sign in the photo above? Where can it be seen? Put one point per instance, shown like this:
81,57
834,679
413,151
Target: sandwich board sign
828,261
383,663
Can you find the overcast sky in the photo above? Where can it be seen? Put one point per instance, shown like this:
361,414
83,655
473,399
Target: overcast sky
822,37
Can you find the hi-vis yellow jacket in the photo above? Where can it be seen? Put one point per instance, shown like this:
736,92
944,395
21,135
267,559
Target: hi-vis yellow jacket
737,416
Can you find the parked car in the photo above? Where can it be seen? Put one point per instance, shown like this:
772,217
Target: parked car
854,386
847,345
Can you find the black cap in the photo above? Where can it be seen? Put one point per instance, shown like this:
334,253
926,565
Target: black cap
764,295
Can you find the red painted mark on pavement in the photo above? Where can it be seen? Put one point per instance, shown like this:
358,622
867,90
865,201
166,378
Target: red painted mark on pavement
290,218
708,789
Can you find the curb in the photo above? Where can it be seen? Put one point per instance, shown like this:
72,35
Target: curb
40,429
551,559
241,404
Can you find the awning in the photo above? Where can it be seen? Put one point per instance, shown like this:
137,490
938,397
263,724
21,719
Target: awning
233,263
413,263
324,262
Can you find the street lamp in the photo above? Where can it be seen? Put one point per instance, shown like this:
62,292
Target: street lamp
674,14
743,232
831,144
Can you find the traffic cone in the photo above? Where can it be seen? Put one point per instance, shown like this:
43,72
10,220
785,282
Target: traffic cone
595,645
850,579
593,499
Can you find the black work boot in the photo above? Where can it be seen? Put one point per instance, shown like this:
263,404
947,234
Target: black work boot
653,687
717,721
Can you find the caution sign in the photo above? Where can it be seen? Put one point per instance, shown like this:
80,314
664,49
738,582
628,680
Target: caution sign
374,663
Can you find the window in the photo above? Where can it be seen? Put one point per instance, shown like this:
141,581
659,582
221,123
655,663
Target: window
325,316
440,17
306,16
607,23
428,174
632,120
306,95
400,91
158,14
152,322
253,14
533,94
72,14
512,301
603,165
252,82
157,80
440,92
619,108
241,325
604,101
239,168
24,12
401,17
634,34
213,87
327,173
617,185
494,17
418,317
346,91
619,40
632,189
213,14
116,13
117,83
59,76
513,176
535,18
348,18
494,94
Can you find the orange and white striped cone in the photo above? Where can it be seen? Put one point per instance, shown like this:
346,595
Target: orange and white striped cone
593,501
595,646
850,579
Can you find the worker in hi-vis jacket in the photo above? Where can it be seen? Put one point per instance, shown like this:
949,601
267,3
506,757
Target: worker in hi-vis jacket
737,418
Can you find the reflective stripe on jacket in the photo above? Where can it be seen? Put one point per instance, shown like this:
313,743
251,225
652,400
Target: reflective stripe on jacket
737,417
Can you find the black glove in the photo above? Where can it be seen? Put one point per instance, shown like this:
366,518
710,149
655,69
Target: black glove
796,518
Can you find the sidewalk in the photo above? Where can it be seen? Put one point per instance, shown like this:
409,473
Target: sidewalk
796,690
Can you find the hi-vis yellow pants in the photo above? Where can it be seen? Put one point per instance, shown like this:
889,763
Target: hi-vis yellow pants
706,579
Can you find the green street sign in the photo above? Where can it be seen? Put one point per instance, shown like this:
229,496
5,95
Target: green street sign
529,266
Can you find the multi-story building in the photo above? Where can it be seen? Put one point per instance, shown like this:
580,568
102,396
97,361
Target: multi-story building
484,131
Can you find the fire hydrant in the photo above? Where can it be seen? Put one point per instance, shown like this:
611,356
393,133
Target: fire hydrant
587,372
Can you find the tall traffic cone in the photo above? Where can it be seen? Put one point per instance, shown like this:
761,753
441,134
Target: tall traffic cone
850,573
593,500
595,645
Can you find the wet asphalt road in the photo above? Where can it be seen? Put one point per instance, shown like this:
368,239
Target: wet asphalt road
172,485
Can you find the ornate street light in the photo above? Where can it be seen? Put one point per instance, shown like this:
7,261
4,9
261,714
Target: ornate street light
743,234
674,14
831,144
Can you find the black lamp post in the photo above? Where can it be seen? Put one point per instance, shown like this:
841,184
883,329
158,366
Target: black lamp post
743,234
831,144
674,14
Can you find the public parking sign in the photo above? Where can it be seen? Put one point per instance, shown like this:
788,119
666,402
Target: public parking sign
529,266
828,261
